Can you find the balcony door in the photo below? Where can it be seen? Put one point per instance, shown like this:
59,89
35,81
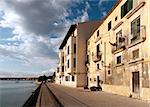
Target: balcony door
98,81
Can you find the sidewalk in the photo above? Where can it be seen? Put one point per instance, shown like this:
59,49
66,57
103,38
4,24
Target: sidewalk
45,99
77,97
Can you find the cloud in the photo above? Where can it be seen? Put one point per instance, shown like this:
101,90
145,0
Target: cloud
38,27
104,13
35,16
25,74
33,48
102,1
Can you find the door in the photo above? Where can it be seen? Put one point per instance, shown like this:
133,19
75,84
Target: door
87,83
135,82
98,81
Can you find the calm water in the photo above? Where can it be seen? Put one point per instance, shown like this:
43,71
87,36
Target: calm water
14,94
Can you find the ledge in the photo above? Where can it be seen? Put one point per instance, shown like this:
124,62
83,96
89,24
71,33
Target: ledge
118,50
136,61
133,44
119,24
118,65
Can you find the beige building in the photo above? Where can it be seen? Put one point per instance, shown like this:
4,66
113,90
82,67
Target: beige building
118,51
72,55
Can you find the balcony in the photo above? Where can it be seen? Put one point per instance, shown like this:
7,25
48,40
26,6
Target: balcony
120,45
139,37
97,56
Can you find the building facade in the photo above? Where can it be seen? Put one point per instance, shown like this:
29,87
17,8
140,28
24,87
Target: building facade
72,54
113,52
118,56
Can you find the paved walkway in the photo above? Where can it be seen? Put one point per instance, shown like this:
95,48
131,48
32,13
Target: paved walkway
45,98
73,97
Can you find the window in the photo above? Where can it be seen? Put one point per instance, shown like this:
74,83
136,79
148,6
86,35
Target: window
118,59
108,72
74,62
74,48
126,7
135,54
109,25
98,33
90,79
119,37
98,48
97,66
62,68
67,78
63,59
68,50
88,58
135,29
73,78
68,63
116,18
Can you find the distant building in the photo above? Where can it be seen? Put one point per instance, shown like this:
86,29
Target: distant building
72,55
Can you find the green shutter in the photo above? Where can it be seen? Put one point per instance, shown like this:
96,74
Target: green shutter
129,5
122,11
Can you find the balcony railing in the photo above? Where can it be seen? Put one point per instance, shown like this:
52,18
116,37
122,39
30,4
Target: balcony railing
120,45
97,56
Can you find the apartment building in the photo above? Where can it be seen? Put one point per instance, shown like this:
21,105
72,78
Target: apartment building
72,54
118,51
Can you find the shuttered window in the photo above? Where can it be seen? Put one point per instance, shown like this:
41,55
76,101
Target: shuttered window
126,7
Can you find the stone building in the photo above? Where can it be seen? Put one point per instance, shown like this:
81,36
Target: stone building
72,54
117,52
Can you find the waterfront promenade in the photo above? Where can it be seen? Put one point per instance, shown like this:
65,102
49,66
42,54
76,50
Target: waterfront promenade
53,95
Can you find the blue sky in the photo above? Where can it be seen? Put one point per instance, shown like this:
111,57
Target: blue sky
32,30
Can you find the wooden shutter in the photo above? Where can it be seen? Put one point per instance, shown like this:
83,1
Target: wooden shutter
122,11
129,5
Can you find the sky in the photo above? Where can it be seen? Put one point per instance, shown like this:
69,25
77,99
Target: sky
31,32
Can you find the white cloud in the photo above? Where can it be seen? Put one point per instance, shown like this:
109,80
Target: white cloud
34,23
104,13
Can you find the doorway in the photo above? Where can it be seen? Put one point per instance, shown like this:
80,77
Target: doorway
87,81
135,82
98,81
